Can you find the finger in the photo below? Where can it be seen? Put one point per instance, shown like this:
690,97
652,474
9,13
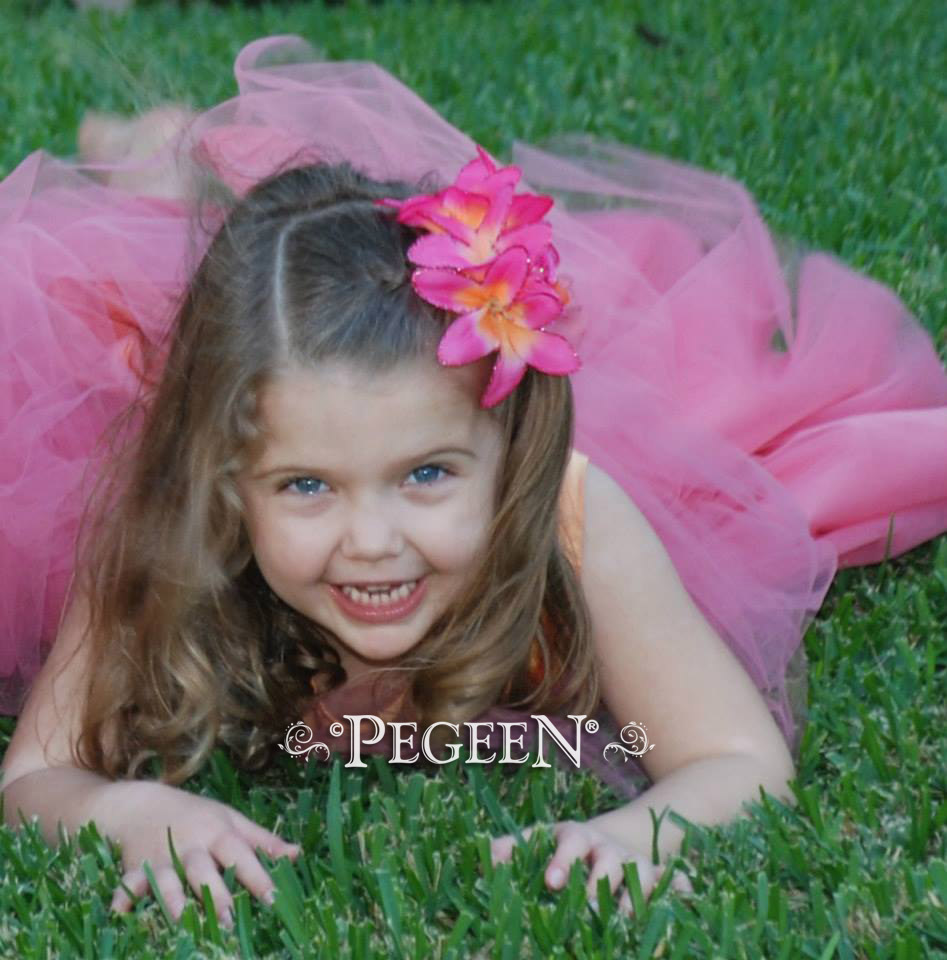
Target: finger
648,874
501,848
136,882
681,883
575,843
231,851
169,886
200,868
656,875
607,863
257,836
625,907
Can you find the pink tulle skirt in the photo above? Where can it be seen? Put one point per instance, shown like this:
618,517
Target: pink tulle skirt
773,413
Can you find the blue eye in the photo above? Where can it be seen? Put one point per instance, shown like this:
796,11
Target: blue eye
431,466
306,490
295,480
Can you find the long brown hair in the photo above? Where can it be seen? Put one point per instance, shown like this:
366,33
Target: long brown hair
190,645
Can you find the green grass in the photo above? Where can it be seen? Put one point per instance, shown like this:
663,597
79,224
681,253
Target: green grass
833,115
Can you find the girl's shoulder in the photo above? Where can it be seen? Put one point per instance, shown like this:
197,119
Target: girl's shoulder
572,507
661,661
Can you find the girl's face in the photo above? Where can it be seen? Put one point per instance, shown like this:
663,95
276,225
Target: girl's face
372,480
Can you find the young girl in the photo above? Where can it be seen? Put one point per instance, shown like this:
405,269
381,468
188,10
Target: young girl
592,454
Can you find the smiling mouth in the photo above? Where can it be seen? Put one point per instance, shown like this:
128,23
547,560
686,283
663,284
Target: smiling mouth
376,584
380,606
377,596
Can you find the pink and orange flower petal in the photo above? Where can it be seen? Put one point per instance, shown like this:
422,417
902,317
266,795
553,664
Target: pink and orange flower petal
520,348
488,256
461,290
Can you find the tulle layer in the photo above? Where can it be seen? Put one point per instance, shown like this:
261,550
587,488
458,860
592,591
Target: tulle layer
770,412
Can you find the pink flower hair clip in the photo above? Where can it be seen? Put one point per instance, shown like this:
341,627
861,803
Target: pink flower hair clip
488,256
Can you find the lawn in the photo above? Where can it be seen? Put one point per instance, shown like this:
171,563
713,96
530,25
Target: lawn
834,115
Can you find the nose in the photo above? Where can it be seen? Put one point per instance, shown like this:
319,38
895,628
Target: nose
371,533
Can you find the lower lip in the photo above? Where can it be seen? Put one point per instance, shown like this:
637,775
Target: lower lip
383,613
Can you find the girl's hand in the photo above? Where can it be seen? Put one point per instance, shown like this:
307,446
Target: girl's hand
207,836
604,853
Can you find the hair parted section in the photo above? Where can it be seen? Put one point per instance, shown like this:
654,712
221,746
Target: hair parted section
191,647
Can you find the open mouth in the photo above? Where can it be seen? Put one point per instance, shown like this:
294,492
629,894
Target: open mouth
378,596
376,605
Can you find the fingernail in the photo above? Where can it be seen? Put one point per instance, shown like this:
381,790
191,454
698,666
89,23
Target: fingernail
556,877
268,898
593,903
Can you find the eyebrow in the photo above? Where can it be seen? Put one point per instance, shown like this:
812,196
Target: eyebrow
319,472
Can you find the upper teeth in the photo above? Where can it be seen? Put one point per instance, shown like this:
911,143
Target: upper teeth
379,596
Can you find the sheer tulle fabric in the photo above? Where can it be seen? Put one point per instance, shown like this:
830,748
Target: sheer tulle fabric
768,411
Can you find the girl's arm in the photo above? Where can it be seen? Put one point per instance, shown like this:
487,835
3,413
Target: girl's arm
38,773
663,665
40,779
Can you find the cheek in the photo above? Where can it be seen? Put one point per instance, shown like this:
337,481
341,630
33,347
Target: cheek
469,526
282,545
